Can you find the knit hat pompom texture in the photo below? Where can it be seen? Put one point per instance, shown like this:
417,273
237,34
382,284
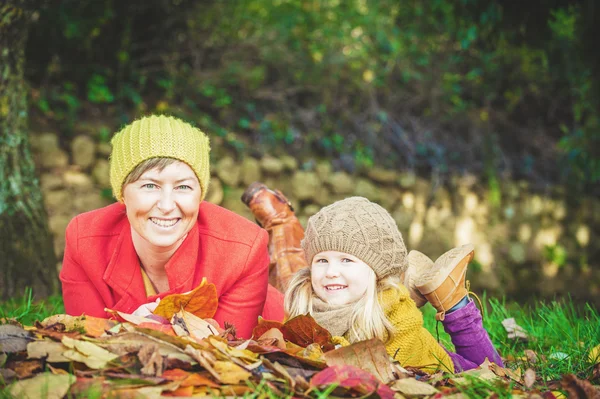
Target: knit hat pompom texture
358,227
158,136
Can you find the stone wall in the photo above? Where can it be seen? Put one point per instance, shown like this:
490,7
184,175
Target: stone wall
533,244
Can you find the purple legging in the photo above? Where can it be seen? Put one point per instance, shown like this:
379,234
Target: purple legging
470,339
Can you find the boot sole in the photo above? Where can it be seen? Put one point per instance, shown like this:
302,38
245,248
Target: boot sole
251,191
429,281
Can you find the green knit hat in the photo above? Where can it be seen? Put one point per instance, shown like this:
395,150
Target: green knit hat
158,136
361,228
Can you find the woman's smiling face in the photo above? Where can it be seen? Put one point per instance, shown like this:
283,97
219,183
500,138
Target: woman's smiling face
162,205
339,278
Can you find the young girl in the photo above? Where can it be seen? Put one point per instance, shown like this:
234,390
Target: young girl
353,289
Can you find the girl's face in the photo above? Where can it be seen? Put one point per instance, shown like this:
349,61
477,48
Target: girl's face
339,278
162,206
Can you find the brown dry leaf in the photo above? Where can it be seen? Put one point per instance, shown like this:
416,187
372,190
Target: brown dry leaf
514,330
27,368
412,387
529,378
577,388
133,341
201,301
368,355
93,326
50,350
205,358
280,372
498,370
152,361
515,375
273,337
532,357
303,330
47,385
13,338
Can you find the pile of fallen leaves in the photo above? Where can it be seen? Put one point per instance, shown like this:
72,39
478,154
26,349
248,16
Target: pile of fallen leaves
175,351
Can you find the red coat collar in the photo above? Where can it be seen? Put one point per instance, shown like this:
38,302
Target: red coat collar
124,276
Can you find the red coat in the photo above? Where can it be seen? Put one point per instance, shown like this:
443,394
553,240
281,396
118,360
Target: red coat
101,268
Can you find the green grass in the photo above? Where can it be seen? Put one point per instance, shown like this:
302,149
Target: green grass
26,310
562,334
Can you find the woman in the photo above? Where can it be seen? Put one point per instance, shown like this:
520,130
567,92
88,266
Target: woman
160,238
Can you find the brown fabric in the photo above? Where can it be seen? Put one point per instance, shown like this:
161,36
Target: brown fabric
361,228
275,214
335,319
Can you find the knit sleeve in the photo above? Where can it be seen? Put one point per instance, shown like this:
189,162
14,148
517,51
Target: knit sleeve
411,344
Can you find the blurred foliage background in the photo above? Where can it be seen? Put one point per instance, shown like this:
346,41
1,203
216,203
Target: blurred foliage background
495,88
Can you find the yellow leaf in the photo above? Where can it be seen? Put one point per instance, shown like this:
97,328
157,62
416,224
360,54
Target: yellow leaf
92,355
230,373
198,328
50,350
412,387
48,385
312,352
201,301
594,356
91,362
243,354
559,395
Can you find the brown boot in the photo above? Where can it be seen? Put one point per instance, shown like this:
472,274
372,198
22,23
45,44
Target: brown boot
417,263
443,284
275,214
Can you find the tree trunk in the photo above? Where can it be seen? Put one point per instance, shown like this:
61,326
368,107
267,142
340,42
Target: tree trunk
27,255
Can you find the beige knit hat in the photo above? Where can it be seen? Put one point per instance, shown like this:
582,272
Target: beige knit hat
158,136
361,228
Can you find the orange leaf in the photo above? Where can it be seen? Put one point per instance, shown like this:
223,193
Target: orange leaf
264,326
197,380
175,374
95,326
165,328
303,330
180,392
202,301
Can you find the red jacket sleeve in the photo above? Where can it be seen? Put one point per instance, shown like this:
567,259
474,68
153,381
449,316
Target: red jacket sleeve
79,294
244,301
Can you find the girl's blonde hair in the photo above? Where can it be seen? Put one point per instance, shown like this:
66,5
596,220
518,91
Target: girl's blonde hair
368,318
